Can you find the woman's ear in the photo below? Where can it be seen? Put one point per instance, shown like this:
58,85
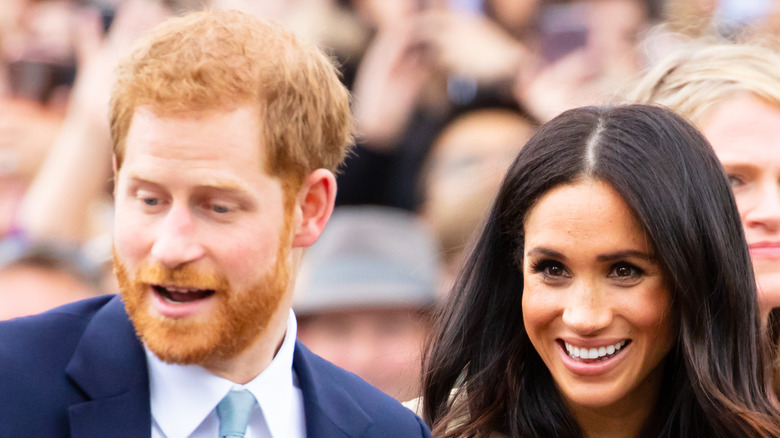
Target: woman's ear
315,202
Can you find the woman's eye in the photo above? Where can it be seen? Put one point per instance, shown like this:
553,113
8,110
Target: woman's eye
550,269
554,270
151,201
625,271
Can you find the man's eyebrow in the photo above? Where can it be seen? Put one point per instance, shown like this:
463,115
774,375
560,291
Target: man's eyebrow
743,168
224,187
216,185
139,179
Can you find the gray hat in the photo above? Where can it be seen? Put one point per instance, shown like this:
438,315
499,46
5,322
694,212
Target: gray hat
367,257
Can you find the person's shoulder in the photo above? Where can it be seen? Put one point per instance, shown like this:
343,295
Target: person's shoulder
38,339
416,406
388,416
67,316
35,352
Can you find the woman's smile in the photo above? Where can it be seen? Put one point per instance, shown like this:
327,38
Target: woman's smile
593,354
595,303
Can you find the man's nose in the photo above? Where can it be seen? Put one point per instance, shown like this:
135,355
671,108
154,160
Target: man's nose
766,210
586,311
177,240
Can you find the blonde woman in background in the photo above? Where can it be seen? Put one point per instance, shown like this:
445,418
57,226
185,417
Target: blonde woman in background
731,92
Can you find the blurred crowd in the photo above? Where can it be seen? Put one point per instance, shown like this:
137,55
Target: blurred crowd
444,94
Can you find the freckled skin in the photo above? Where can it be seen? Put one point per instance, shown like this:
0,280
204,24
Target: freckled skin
591,276
193,197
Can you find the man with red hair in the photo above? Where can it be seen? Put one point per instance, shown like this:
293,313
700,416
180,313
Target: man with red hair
226,134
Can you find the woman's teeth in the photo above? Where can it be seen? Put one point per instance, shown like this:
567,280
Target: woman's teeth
593,353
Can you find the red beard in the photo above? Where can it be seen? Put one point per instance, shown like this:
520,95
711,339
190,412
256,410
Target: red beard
240,317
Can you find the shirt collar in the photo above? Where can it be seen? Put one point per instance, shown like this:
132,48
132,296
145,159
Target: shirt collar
182,396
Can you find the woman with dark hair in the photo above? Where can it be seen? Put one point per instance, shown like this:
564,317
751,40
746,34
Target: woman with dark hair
609,294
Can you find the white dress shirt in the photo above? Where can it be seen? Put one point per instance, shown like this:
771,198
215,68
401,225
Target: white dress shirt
184,397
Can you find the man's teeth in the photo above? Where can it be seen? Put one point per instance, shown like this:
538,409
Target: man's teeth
593,353
180,289
174,294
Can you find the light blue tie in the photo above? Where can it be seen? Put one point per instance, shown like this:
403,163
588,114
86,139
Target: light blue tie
233,412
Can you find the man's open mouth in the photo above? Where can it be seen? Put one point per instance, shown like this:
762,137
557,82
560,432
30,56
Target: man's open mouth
175,294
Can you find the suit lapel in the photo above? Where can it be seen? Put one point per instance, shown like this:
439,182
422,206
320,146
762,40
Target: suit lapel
109,366
329,408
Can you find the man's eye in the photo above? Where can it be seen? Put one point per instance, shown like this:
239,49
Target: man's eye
735,181
220,209
151,201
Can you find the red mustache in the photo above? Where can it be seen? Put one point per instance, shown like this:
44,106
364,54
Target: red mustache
184,276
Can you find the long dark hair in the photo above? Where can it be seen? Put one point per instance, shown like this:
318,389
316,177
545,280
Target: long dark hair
716,377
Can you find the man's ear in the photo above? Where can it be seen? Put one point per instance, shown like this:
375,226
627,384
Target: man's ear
114,176
314,204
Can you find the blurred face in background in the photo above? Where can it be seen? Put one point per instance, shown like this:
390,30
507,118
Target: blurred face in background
613,34
513,15
381,13
745,133
28,289
36,70
382,345
466,165
39,52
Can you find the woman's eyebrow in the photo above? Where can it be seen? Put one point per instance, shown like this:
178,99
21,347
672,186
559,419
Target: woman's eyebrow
546,252
615,256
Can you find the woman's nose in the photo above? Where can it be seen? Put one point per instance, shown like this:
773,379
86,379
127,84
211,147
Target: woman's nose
587,310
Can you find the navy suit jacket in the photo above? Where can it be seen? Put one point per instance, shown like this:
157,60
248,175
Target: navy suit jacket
80,371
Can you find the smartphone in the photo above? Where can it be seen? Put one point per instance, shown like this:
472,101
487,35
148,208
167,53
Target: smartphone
462,89
563,28
468,6
106,8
